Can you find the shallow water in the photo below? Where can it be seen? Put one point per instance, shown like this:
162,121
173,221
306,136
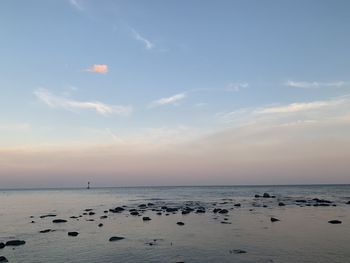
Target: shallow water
302,235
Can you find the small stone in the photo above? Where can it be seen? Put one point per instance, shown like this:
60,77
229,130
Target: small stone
146,218
48,215
73,234
223,211
238,251
45,231
103,217
116,238
180,223
281,204
274,219
59,221
237,205
91,213
334,221
134,213
15,242
100,225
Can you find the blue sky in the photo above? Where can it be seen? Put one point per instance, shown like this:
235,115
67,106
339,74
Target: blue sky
82,72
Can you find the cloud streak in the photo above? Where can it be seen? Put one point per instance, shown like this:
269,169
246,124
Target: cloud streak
314,84
76,4
147,43
172,100
237,86
98,68
55,101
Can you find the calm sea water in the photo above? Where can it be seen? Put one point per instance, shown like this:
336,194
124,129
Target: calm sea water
302,235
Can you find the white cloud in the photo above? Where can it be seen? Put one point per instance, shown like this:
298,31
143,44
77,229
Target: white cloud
314,84
98,68
173,100
55,101
77,4
147,43
236,86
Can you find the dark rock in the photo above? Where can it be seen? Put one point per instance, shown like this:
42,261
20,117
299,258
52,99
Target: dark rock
334,221
32,222
117,209
100,225
3,259
216,210
300,201
74,217
348,202
274,219
185,212
103,217
238,251
106,211
257,196
134,213
150,204
48,215
90,220
266,195
225,222
281,204
322,201
88,210
237,205
45,231
159,213
59,221
142,205
223,211
146,218
2,245
180,223
73,234
15,242
116,238
200,211
171,209
91,213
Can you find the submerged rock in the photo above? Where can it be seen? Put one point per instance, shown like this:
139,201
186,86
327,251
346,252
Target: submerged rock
3,259
274,219
59,221
73,234
116,238
334,221
15,242
45,231
238,251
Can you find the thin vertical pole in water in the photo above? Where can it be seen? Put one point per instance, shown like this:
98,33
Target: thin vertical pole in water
88,187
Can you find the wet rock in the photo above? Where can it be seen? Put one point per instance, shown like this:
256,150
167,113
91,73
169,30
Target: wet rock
146,218
74,217
103,217
73,234
45,231
142,205
48,215
237,205
301,201
281,204
100,225
266,195
134,213
171,209
348,202
150,204
223,211
321,201
32,222
200,211
159,213
180,223
117,210
225,222
216,210
185,212
88,210
238,251
274,219
3,259
116,238
334,221
257,196
59,221
15,242
91,213
2,245
90,220
106,211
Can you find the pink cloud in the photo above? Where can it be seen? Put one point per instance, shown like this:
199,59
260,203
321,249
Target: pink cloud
98,68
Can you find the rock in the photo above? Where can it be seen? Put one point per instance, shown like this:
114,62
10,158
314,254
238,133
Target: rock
88,210
266,195
322,201
180,223
134,213
59,221
74,217
117,209
142,205
281,204
100,225
150,204
200,211
73,234
300,201
32,222
45,231
216,210
334,221
48,215
225,222
91,213
171,209
237,205
238,251
257,196
223,211
146,218
3,259
2,245
159,213
106,211
116,238
15,242
185,212
348,202
274,219
103,217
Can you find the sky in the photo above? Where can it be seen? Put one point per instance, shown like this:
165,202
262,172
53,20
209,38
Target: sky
129,93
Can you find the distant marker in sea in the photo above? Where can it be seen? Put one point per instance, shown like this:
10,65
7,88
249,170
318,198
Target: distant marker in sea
88,186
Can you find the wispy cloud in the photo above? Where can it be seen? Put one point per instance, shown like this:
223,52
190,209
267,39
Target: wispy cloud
236,86
55,101
147,43
98,68
77,4
314,84
172,100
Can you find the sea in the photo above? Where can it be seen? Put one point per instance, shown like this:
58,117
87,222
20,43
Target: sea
241,232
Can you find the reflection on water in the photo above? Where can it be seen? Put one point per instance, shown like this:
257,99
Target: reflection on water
302,235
